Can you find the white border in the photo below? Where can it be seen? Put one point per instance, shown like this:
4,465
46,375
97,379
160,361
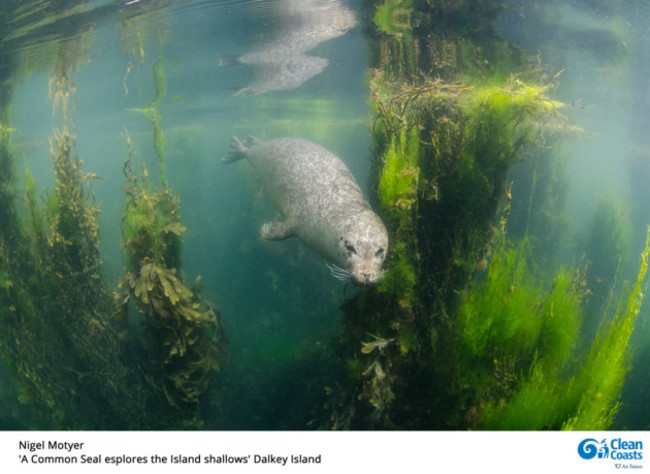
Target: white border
344,452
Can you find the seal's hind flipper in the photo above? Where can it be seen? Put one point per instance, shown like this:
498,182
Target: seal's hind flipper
237,151
252,141
277,230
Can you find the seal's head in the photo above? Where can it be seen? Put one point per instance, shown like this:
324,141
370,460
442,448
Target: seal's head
363,247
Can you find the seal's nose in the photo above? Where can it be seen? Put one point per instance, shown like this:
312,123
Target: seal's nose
366,276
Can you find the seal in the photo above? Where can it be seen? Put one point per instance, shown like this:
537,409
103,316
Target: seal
281,64
321,204
277,72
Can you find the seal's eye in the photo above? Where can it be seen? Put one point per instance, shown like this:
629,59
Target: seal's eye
350,248
379,252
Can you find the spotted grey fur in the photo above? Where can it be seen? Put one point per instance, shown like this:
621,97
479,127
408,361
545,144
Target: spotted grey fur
321,203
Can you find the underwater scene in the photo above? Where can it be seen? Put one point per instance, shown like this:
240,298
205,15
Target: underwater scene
324,214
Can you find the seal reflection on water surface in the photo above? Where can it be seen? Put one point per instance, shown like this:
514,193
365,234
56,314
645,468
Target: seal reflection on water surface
321,203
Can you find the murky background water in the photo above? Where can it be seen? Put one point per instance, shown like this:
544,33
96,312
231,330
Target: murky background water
280,305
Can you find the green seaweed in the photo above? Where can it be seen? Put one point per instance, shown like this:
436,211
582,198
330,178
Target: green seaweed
402,278
466,329
601,380
56,298
151,225
399,178
443,146
394,17
152,113
607,247
512,325
583,396
73,364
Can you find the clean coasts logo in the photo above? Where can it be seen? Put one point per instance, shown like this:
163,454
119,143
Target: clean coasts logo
616,449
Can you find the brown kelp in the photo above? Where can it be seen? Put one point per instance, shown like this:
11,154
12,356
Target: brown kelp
186,337
72,363
57,335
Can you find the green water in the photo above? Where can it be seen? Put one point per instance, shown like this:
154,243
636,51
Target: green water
503,144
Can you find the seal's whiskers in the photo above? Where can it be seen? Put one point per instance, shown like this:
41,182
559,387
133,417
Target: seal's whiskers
338,272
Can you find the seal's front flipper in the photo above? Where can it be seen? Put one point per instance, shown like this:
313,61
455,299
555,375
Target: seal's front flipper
276,230
237,151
